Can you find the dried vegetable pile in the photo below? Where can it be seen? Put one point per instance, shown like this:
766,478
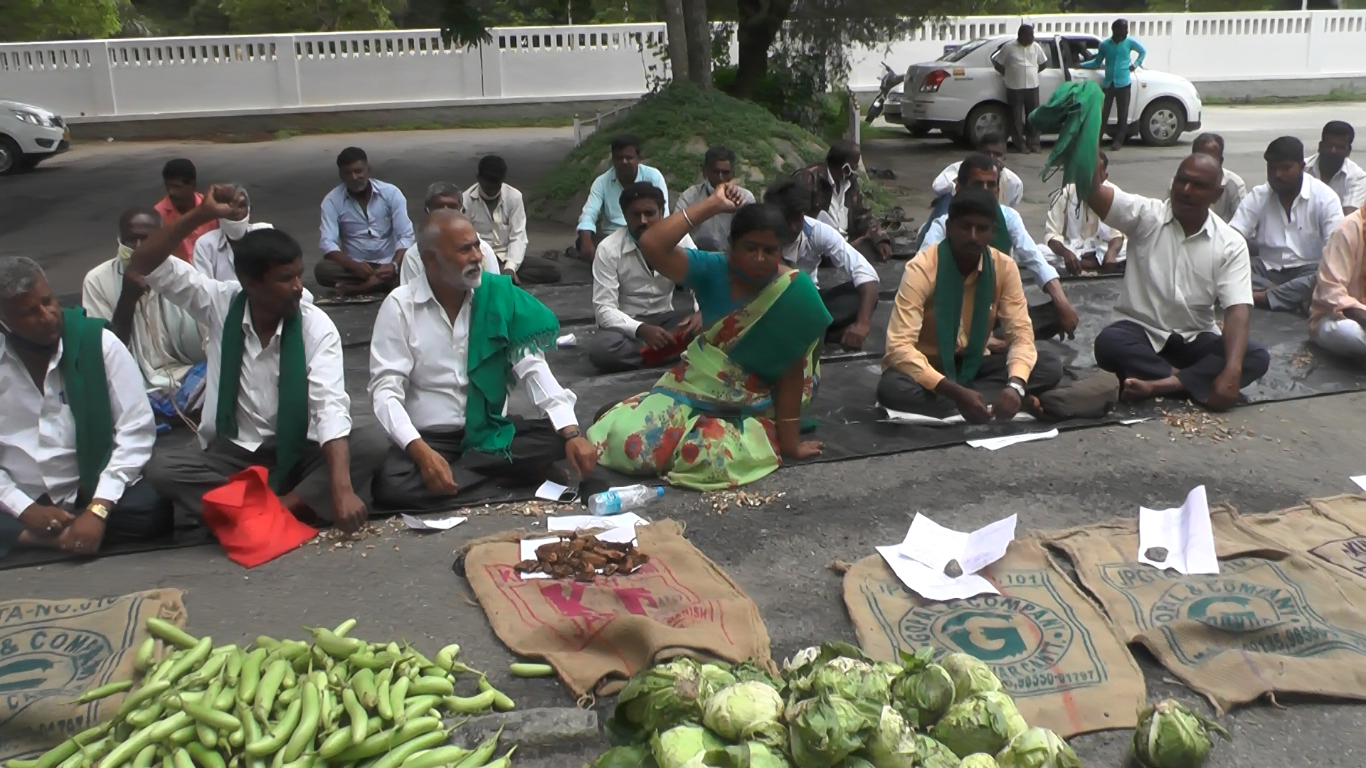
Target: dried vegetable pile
582,556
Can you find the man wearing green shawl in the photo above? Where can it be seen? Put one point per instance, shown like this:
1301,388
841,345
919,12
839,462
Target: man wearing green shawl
445,354
950,298
273,390
75,426
1054,318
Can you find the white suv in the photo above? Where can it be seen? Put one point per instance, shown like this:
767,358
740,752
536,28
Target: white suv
29,135
964,97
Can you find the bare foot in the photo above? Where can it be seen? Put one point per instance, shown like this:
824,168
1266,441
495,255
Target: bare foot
1138,390
30,539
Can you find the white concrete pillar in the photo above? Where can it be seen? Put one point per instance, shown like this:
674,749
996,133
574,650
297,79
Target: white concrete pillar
288,86
102,79
484,72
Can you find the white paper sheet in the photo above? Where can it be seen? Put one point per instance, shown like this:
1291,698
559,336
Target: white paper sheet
902,417
1360,480
567,340
931,584
551,491
933,545
432,524
997,443
593,522
1186,533
1131,422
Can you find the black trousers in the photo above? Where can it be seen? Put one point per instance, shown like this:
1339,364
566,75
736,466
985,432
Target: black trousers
185,476
900,392
141,514
842,302
399,484
1124,350
1022,101
535,270
1118,95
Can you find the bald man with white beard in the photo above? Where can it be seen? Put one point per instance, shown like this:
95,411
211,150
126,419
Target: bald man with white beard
446,352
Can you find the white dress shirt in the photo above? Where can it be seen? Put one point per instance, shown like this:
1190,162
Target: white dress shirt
1026,253
839,210
625,287
213,255
38,430
504,227
1012,186
714,233
412,269
1175,283
1349,182
1289,241
419,368
1072,223
819,239
1232,196
258,394
166,341
1021,63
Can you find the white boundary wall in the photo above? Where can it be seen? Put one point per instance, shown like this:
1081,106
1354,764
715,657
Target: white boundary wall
139,78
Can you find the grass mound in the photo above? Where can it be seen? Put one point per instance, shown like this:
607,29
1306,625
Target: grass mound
677,125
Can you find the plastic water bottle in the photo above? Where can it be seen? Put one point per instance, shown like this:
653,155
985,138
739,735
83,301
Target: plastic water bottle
627,498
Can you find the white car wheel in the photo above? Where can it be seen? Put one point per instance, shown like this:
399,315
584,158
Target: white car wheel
11,157
1162,123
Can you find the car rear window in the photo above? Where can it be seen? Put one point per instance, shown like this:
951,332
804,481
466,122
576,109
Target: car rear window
964,50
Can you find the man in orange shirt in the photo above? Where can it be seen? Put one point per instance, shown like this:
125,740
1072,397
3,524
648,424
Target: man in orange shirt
1337,315
182,196
950,298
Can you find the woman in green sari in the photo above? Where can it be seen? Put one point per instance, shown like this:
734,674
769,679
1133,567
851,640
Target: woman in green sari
730,412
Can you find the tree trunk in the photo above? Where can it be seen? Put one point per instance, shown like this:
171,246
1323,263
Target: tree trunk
760,22
699,42
677,31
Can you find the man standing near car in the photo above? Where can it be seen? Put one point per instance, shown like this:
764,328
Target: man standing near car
1116,57
1019,62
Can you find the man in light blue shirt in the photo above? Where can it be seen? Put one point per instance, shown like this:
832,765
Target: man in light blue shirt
365,230
602,213
1056,318
1116,57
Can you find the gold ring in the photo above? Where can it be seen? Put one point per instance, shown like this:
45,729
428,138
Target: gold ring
53,525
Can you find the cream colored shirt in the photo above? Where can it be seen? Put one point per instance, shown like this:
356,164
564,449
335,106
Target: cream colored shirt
1021,63
1349,182
412,268
1174,283
166,341
1232,196
1072,223
838,210
504,227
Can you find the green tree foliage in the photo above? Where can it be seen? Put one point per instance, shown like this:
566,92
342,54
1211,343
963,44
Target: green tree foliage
264,16
22,20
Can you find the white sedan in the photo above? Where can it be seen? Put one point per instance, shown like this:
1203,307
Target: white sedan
29,135
963,96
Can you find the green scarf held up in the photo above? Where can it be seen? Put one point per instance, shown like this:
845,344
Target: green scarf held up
506,323
291,421
87,394
949,286
1074,115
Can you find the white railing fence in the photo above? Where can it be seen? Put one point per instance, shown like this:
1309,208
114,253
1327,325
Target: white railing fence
97,80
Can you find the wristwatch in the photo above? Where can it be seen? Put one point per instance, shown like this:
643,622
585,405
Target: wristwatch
573,433
98,510
1018,387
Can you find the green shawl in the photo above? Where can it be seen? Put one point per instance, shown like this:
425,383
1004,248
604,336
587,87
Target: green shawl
506,323
1074,115
785,332
291,421
949,285
87,394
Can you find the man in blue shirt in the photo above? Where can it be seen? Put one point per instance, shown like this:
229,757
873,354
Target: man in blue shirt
1116,57
602,213
365,230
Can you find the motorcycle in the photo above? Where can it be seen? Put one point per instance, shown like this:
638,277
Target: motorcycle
890,80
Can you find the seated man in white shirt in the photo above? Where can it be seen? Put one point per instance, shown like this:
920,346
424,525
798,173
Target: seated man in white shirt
718,167
443,196
850,303
445,354
213,249
1010,190
1055,318
498,214
638,325
1077,236
1286,221
1333,166
75,427
273,393
1184,262
1234,190
165,340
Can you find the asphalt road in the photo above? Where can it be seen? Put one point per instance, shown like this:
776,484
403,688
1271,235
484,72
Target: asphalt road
778,553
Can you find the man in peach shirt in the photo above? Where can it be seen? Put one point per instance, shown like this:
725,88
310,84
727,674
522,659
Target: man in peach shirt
952,293
1337,315
182,195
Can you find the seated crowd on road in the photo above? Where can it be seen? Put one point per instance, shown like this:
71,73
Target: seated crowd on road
201,316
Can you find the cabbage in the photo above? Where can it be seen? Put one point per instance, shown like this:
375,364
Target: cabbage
801,669
891,744
854,680
970,675
749,670
933,754
978,760
1170,735
745,711
923,696
984,723
661,697
683,746
825,730
1038,748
